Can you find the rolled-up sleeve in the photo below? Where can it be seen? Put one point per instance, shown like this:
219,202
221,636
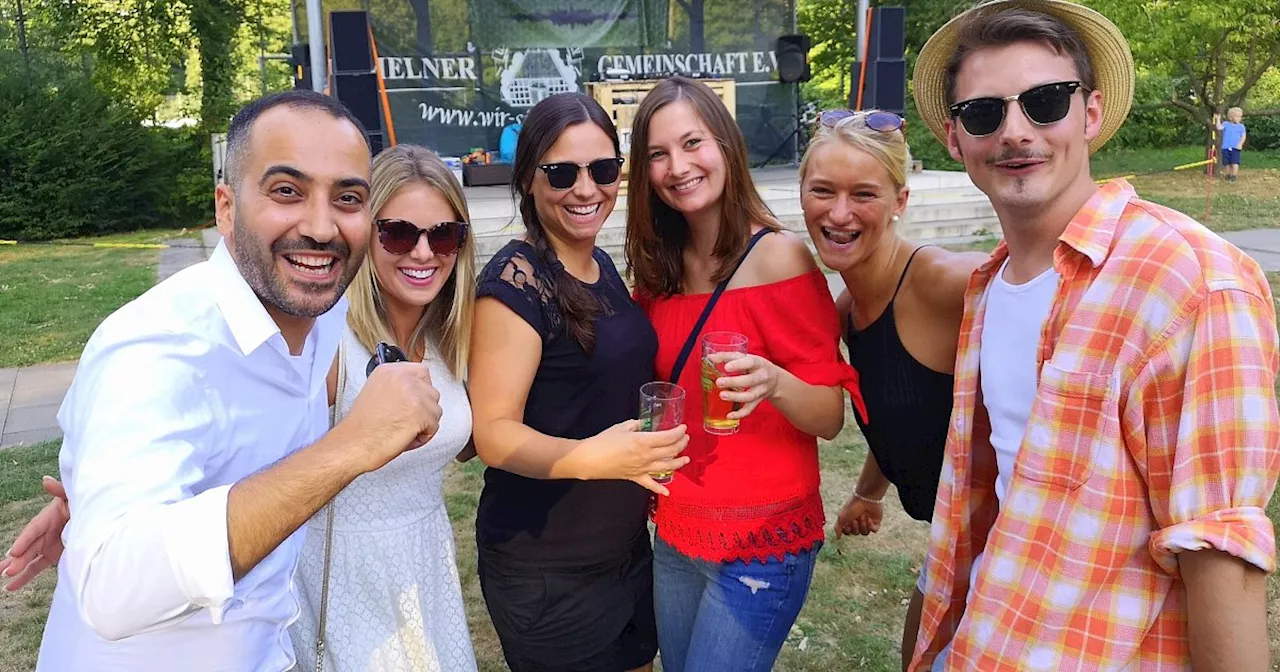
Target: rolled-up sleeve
147,542
1210,488
804,336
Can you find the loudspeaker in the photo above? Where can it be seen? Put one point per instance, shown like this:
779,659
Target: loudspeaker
360,94
888,29
885,84
793,58
354,80
349,41
891,86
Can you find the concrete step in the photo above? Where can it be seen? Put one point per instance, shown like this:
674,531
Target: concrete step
943,206
495,210
613,240
938,231
965,217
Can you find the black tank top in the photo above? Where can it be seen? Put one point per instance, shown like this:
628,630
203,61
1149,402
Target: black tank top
910,405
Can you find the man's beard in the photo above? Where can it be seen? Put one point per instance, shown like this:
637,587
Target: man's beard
257,265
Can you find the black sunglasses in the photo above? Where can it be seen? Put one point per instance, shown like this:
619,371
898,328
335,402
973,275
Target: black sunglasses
383,354
885,122
400,237
1045,104
564,174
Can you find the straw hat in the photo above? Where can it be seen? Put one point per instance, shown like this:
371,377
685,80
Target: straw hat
1108,53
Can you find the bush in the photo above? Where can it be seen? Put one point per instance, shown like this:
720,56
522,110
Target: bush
1263,132
74,163
924,147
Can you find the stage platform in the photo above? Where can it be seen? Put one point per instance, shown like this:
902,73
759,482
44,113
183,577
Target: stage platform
944,207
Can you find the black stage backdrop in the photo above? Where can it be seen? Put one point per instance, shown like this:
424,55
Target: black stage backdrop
459,71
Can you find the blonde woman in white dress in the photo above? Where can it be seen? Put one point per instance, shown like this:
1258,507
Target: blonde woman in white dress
394,602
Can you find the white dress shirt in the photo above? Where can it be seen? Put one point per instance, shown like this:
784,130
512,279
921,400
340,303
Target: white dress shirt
180,394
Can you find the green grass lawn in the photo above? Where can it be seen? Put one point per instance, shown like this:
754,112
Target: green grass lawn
852,621
52,297
22,614
1253,202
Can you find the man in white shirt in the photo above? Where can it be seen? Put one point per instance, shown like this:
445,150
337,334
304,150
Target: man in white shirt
195,445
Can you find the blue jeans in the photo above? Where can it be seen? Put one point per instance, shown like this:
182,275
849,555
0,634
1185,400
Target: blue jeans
726,616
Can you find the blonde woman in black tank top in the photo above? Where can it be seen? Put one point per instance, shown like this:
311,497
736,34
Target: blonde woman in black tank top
900,312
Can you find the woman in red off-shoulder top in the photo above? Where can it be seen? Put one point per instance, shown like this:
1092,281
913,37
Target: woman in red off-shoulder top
739,534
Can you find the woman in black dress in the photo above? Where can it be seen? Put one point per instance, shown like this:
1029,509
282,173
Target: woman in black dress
558,355
901,313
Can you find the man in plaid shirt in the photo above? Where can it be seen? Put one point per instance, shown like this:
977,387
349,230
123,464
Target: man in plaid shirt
1115,436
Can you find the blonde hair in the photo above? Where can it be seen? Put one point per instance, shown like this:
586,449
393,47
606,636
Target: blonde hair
447,319
890,149
1235,112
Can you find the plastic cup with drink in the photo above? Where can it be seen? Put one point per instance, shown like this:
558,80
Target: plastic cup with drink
661,408
715,411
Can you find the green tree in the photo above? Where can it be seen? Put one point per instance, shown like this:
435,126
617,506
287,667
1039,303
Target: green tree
138,51
1209,55
832,25
129,47
213,25
832,28
264,30
75,162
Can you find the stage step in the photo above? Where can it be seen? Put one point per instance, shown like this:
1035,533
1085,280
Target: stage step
942,205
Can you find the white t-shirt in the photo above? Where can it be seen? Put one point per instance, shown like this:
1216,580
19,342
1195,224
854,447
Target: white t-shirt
1012,321
1014,317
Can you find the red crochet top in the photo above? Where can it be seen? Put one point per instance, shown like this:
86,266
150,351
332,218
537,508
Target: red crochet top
751,495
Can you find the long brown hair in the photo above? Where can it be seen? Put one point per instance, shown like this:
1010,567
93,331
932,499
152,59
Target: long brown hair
542,128
656,232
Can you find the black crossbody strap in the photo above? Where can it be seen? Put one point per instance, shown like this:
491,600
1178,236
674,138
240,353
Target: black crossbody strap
711,303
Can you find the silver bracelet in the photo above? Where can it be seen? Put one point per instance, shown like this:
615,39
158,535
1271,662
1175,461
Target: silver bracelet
856,495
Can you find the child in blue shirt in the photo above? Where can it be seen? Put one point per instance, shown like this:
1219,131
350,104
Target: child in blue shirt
1233,134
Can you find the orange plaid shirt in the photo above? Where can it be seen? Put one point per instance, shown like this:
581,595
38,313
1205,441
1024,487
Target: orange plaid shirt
1154,430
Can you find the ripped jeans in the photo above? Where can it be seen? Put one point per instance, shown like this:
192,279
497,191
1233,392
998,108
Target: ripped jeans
726,616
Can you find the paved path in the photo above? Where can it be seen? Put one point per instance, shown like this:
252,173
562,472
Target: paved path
29,401
30,397
184,253
1261,244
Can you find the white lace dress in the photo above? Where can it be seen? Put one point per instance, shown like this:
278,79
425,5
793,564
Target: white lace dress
395,604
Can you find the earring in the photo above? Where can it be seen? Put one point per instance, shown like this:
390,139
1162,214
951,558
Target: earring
894,219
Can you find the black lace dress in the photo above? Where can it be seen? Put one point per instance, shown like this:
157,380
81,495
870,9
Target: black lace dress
565,566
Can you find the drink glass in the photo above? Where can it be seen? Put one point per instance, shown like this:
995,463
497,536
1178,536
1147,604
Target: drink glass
715,411
661,408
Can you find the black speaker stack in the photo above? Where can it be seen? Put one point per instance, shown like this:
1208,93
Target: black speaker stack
793,68
353,74
793,58
884,83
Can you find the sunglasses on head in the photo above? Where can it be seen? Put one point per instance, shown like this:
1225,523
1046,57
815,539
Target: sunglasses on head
400,237
1045,104
564,174
885,122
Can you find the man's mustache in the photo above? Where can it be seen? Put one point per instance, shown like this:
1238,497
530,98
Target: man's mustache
1013,154
337,247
